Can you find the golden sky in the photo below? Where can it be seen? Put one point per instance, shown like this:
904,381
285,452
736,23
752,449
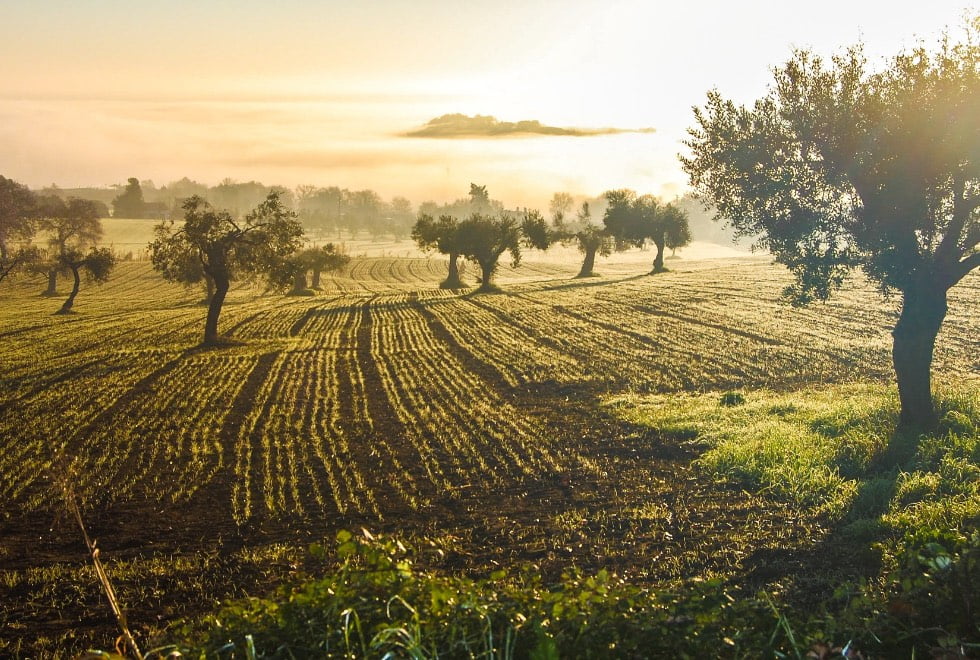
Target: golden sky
293,92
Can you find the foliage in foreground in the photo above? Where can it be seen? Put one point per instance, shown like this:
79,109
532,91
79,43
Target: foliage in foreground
379,604
913,498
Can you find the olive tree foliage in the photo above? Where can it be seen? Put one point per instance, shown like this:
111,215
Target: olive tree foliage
71,227
213,243
96,264
588,237
315,260
484,238
632,220
17,224
441,235
841,167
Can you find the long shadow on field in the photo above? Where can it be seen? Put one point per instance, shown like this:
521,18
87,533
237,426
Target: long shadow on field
843,548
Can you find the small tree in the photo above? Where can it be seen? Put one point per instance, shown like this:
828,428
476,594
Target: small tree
837,167
633,220
484,239
226,249
589,238
441,235
72,226
97,263
325,258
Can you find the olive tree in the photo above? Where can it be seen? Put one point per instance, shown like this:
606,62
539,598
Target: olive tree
97,263
225,248
71,226
441,235
632,220
484,238
839,166
17,218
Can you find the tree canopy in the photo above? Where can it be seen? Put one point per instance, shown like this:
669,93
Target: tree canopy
225,248
840,167
633,219
441,235
484,238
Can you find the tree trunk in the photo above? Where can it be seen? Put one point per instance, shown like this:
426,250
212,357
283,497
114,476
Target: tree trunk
299,284
316,279
588,264
52,289
923,311
486,280
208,289
221,286
452,280
658,261
66,307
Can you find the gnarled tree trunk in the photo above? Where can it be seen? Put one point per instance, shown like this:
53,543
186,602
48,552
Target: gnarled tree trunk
486,275
221,286
923,311
658,261
452,280
588,264
315,283
66,307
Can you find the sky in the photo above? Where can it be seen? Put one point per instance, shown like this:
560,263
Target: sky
325,92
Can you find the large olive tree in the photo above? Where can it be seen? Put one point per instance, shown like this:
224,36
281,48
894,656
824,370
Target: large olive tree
839,167
225,248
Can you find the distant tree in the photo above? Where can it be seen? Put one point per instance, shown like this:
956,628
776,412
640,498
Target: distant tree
129,204
535,231
226,249
97,263
483,239
559,206
479,198
589,238
677,231
72,226
316,260
441,235
633,220
17,215
324,259
838,167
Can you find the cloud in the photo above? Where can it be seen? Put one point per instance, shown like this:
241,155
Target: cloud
484,126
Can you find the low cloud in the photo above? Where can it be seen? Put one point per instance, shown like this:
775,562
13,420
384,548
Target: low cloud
484,126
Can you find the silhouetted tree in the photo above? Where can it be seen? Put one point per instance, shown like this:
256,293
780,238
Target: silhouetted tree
17,215
559,206
484,239
838,167
226,248
324,258
71,226
441,235
633,220
25,257
129,204
97,263
315,260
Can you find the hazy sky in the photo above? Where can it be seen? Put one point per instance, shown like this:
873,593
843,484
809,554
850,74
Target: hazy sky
294,91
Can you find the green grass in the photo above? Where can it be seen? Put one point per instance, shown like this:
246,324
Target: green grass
834,449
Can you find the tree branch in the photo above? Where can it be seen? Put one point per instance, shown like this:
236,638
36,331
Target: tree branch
963,268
